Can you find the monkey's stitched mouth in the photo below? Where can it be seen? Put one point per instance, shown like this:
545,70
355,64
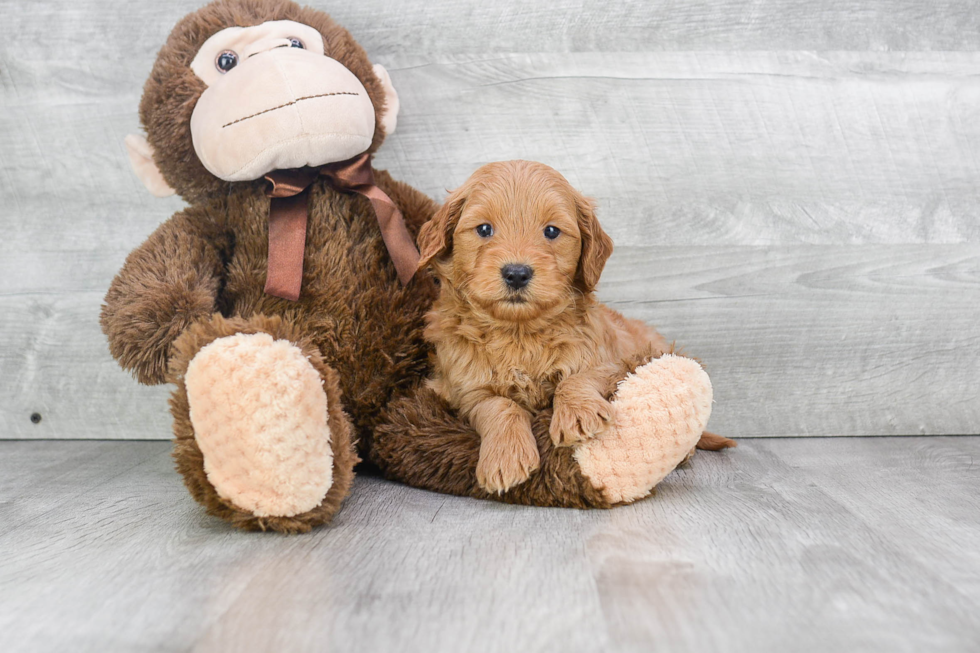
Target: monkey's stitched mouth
288,104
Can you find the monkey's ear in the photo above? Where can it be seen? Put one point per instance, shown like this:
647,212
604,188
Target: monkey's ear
436,235
597,246
390,120
141,158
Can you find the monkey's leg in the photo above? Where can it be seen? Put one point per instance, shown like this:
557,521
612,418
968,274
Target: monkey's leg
660,413
262,440
423,443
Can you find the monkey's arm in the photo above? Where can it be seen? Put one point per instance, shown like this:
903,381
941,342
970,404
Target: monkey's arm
167,283
417,207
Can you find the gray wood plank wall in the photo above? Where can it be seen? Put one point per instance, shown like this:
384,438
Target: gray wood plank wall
792,186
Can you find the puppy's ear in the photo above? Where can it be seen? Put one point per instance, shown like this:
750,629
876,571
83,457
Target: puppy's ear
596,244
436,235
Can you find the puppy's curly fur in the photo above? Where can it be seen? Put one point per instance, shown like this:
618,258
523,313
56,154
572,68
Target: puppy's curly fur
518,253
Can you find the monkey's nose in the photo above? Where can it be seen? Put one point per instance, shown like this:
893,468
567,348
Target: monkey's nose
516,276
264,46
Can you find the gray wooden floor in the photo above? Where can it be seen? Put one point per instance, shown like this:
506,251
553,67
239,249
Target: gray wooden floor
842,544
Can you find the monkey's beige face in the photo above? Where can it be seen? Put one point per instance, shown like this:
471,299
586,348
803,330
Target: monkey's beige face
275,101
517,244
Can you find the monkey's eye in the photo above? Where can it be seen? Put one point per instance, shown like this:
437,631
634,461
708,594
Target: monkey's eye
296,43
485,230
551,232
226,61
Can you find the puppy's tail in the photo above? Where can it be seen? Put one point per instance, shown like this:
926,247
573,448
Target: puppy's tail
712,442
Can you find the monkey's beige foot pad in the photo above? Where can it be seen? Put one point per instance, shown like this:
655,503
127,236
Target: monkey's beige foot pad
259,414
660,412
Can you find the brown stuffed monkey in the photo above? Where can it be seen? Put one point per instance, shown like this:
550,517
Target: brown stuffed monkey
281,302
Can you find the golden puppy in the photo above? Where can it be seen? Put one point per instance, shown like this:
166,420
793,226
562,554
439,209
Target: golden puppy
518,253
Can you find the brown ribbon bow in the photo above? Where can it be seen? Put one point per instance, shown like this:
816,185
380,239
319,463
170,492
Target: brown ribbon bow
290,190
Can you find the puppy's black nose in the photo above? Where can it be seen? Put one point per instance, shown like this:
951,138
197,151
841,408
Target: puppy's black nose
516,276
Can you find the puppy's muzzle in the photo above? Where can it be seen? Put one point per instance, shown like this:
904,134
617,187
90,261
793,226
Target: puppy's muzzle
516,276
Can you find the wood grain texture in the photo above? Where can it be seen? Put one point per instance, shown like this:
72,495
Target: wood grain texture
476,27
802,340
716,142
818,340
717,148
849,544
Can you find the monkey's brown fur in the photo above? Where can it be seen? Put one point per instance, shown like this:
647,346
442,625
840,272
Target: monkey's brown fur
187,454
360,327
428,445
200,276
171,92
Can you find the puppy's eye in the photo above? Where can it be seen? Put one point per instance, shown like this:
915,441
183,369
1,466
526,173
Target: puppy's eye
551,232
296,43
226,61
485,230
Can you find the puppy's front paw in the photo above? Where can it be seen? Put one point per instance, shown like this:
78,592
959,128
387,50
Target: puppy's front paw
506,462
578,418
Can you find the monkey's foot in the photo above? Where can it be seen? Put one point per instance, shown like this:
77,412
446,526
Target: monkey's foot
259,413
660,413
